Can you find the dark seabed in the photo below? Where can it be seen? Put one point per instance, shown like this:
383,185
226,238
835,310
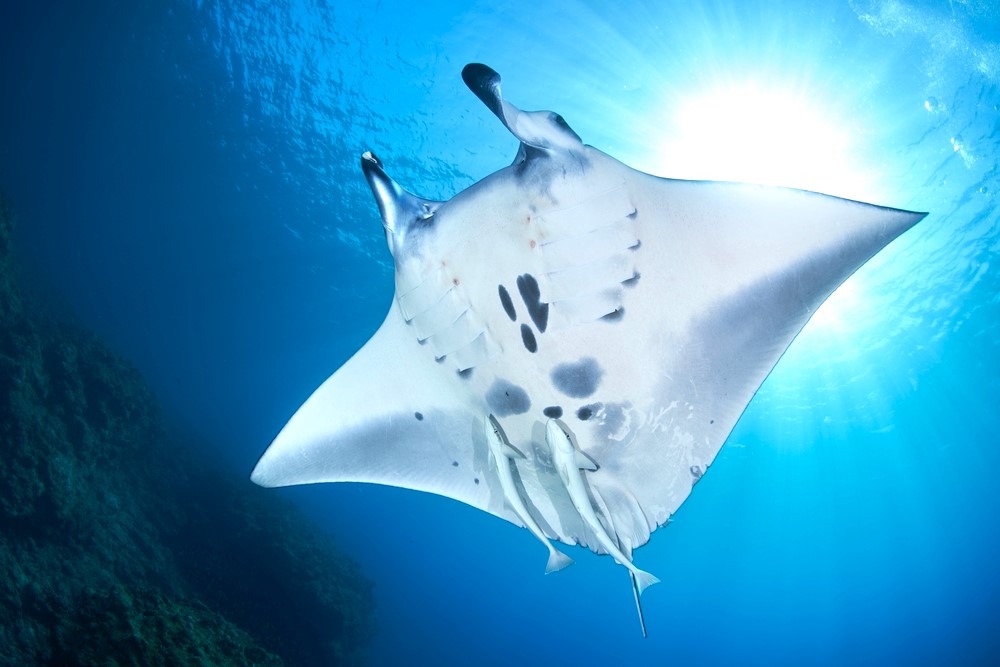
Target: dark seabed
196,250
123,543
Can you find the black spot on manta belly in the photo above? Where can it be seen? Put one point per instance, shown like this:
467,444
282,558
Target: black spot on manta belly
465,374
419,416
577,379
553,412
454,464
585,412
507,303
532,297
528,338
505,399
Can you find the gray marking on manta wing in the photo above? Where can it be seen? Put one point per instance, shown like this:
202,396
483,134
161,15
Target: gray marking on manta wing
695,474
666,362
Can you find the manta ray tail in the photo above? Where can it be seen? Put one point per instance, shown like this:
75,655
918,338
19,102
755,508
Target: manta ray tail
557,561
644,580
638,605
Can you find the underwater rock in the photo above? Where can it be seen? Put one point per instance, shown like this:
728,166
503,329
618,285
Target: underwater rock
10,298
240,575
120,546
143,627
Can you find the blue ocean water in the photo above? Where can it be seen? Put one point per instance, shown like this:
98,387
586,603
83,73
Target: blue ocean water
186,176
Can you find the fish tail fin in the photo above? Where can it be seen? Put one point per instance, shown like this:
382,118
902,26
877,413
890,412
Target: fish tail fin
557,561
644,580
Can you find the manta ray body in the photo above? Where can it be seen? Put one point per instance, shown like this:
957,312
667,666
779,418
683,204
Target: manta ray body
640,314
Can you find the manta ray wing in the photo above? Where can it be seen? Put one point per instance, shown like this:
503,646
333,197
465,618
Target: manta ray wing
644,312
379,420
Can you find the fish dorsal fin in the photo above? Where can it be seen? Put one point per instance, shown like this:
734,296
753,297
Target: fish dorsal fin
584,462
512,452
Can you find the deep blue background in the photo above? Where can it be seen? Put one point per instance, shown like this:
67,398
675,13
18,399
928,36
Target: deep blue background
186,177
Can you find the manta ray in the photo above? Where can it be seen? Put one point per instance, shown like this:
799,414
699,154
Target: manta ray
571,340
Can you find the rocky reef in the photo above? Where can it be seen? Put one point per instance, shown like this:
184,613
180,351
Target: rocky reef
120,546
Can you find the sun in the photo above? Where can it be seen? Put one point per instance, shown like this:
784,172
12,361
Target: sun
754,133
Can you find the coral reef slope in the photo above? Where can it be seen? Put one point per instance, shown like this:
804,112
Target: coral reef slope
121,546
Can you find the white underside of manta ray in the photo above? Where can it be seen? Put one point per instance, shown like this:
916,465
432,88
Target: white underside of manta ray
641,312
